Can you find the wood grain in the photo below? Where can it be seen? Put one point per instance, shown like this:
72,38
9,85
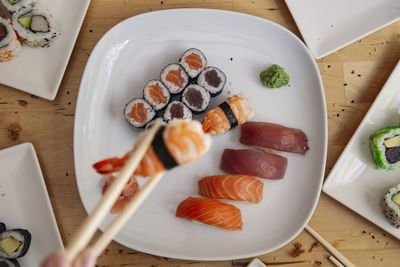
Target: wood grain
352,76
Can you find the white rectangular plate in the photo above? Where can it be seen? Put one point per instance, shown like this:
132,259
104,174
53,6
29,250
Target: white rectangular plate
24,202
354,181
39,71
327,26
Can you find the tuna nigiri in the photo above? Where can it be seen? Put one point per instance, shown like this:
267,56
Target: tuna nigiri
236,110
232,187
211,212
274,136
252,162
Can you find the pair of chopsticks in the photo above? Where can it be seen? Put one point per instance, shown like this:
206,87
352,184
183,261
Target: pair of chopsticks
87,229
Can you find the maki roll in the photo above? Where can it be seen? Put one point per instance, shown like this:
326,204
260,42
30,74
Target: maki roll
35,25
9,263
174,78
177,110
196,98
156,94
15,5
193,61
151,123
213,80
10,46
2,227
14,243
391,205
385,148
138,112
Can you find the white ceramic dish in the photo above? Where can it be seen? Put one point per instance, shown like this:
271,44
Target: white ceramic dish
42,69
134,52
256,263
327,26
24,202
354,181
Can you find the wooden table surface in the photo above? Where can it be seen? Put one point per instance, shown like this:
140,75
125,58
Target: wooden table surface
352,76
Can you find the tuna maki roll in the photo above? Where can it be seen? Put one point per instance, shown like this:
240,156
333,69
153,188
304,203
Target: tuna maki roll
391,205
177,110
10,46
174,77
15,5
385,148
213,80
138,112
14,243
196,98
156,94
9,263
193,61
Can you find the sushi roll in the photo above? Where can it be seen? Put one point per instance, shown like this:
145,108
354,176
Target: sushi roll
151,123
138,112
156,94
196,98
213,80
177,110
174,77
14,243
193,61
35,25
2,227
385,148
10,46
391,205
9,263
15,5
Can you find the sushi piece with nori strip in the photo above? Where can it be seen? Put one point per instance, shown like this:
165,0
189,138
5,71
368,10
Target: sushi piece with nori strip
385,148
138,112
156,94
177,110
14,243
175,78
212,79
9,263
390,205
196,98
193,61
2,227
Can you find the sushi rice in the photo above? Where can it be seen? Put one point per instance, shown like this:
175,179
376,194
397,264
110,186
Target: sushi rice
196,98
10,46
177,110
15,5
138,103
193,61
174,77
390,209
162,94
379,150
212,79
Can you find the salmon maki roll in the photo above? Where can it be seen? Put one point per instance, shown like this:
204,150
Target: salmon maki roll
10,46
232,187
210,212
212,79
193,61
177,110
156,94
138,112
235,111
175,78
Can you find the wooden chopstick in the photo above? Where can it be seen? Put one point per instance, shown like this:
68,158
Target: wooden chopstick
87,229
329,247
335,261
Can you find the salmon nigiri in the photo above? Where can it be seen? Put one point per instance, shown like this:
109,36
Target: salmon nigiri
211,212
232,187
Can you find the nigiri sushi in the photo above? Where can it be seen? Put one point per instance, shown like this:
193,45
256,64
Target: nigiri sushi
211,212
252,162
236,110
180,142
274,136
232,187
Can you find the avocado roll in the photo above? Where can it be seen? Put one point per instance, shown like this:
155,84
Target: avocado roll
174,77
10,46
385,148
193,61
15,5
177,110
391,205
138,112
196,98
212,79
156,94
14,243
9,263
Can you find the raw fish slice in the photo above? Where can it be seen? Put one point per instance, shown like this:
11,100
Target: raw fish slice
211,212
274,136
252,162
232,187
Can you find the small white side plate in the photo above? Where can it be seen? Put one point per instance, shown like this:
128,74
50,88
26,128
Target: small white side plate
327,26
24,202
256,263
354,181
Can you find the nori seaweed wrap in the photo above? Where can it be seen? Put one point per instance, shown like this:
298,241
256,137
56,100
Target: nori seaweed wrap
21,236
385,148
2,227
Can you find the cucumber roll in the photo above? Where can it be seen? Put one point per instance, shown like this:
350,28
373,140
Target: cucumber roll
15,5
36,26
385,148
391,205
14,243
10,46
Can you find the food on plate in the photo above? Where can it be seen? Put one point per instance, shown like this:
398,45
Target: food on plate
138,112
252,162
174,77
9,263
156,94
236,110
14,243
391,205
177,110
274,77
151,123
10,46
212,79
210,212
385,147
193,61
129,191
274,136
15,5
232,187
196,98
180,142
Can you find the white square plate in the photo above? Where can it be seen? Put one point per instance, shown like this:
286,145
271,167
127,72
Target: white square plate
24,202
327,26
39,71
354,181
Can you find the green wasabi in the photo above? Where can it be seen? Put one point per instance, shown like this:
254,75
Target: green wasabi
274,77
